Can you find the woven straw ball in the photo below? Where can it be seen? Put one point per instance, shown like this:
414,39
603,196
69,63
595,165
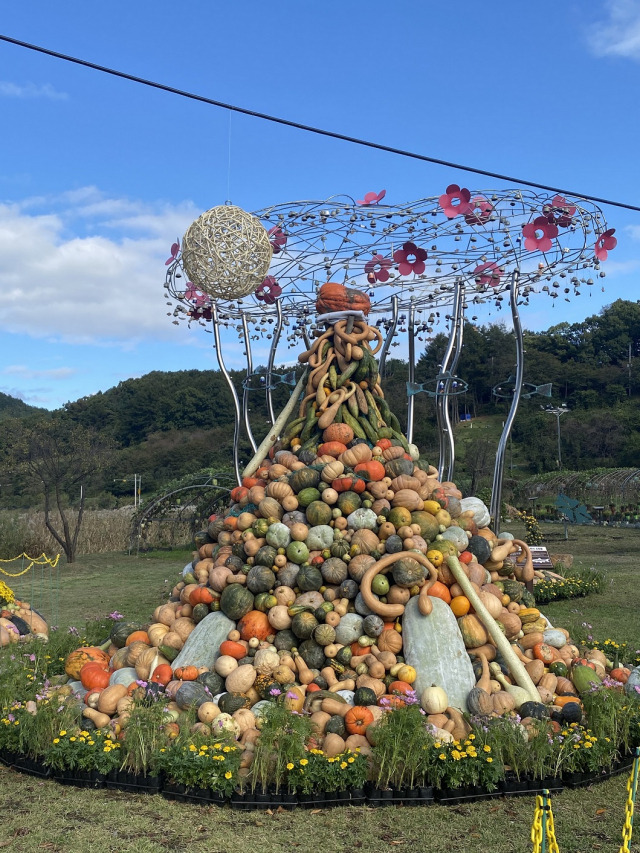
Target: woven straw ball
226,252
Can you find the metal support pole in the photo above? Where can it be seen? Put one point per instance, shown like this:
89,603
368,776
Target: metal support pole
272,354
245,390
236,401
387,341
445,434
412,370
498,472
459,320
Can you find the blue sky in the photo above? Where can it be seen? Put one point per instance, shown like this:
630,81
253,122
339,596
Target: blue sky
98,176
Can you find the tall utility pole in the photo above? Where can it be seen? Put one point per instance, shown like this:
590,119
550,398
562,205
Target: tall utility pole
558,411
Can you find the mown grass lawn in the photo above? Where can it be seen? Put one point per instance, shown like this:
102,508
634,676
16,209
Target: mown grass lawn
39,815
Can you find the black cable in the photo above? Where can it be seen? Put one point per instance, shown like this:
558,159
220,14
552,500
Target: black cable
332,134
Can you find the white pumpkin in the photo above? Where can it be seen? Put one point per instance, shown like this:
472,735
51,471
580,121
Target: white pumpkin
481,514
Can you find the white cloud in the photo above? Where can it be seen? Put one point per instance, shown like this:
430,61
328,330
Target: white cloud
619,33
105,287
25,372
30,90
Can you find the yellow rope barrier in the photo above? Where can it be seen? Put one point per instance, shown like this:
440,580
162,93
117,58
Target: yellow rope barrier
42,560
632,790
543,829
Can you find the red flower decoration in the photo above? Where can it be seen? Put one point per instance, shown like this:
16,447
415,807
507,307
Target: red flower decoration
372,198
455,194
605,243
481,210
559,211
410,259
487,274
196,296
277,238
539,234
377,269
175,248
268,291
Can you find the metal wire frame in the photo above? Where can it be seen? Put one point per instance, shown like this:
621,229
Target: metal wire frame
337,239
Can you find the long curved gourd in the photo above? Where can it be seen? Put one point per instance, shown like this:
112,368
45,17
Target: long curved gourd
523,569
515,665
392,611
274,432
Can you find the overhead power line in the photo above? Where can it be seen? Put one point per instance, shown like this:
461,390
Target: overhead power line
309,128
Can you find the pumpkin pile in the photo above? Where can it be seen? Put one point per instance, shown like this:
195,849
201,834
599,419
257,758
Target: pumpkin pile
18,621
332,563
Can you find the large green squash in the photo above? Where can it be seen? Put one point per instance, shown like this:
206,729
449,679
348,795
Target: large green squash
304,478
260,579
349,502
191,693
303,625
318,512
312,654
235,601
120,632
309,578
407,572
265,557
229,703
429,527
395,467
308,496
212,681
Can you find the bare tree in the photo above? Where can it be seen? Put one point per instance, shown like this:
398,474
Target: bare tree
62,458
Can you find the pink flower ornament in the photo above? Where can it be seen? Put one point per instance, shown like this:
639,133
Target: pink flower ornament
539,234
559,211
277,238
487,274
196,296
455,201
372,198
410,259
175,248
605,243
481,210
268,291
377,269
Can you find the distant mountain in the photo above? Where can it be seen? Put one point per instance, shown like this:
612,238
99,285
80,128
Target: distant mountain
12,407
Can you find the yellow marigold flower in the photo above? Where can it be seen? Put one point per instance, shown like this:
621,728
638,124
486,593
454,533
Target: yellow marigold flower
228,774
351,760
72,739
62,733
442,756
472,737
56,740
290,766
486,747
192,748
304,761
489,760
588,745
226,749
343,765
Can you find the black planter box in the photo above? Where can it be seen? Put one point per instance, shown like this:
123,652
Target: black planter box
553,785
132,782
332,799
7,757
463,794
383,796
79,778
312,801
358,797
31,766
237,801
420,796
513,787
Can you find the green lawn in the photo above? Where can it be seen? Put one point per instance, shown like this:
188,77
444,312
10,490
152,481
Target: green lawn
45,816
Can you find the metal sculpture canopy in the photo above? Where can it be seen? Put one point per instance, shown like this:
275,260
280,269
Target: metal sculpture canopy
415,252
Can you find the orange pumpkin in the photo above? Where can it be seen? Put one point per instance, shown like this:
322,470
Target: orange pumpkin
373,470
254,624
337,297
186,673
138,636
332,448
162,674
233,649
401,688
358,719
201,595
239,493
384,443
460,605
76,659
620,674
440,590
338,432
348,484
93,676
391,700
